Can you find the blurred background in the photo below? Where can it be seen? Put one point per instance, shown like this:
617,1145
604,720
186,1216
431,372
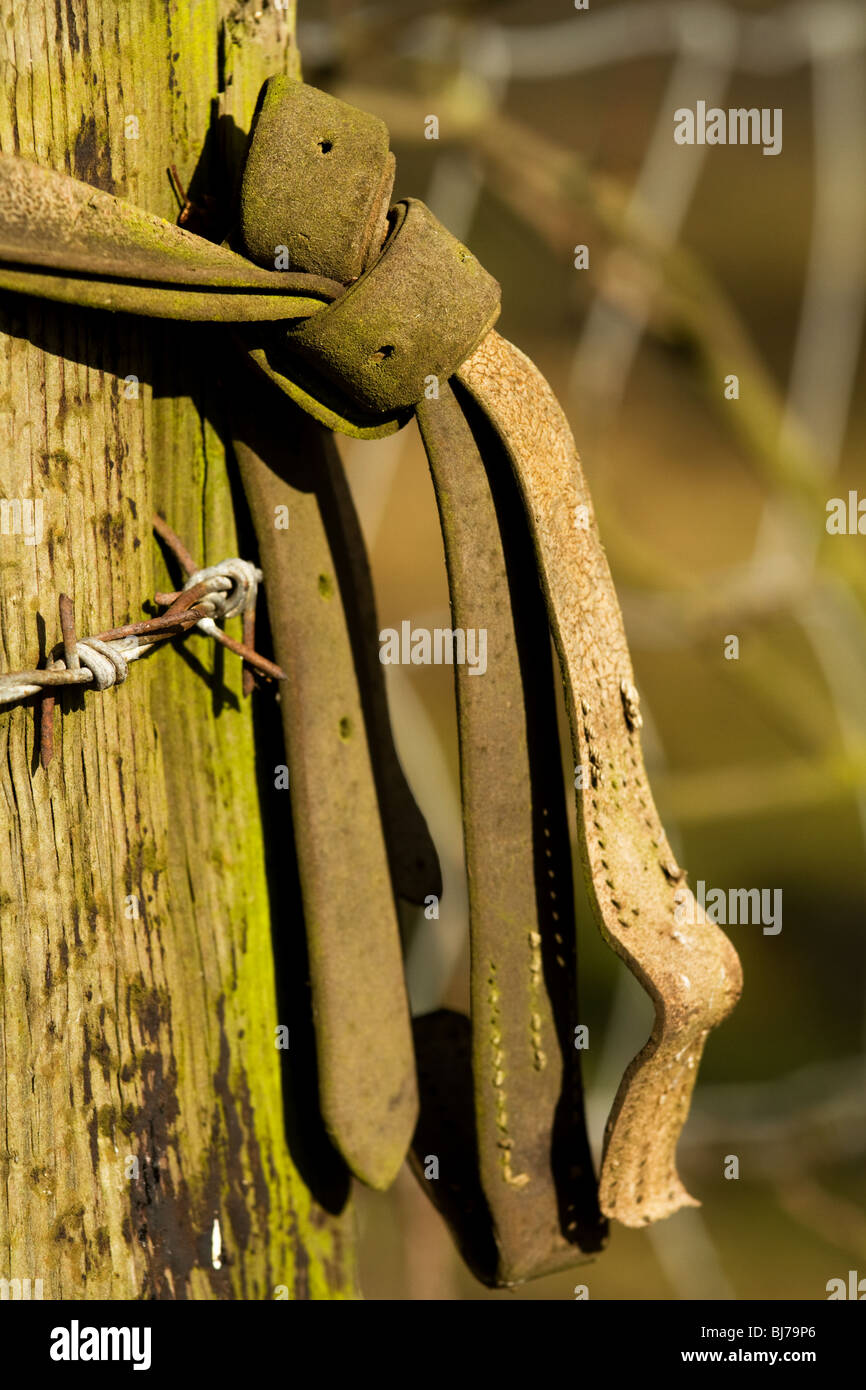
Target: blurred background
556,130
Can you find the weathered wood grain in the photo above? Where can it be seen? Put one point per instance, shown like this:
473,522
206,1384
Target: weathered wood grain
145,1037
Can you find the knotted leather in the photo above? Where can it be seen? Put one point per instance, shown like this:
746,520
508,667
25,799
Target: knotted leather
381,314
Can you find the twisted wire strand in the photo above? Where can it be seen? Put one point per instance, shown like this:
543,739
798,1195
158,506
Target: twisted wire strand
101,661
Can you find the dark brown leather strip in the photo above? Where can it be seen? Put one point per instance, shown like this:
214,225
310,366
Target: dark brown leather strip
363,1037
447,1134
535,1167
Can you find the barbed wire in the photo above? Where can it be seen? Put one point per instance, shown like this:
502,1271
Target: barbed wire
101,661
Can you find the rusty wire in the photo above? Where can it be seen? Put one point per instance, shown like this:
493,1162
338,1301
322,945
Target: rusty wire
102,660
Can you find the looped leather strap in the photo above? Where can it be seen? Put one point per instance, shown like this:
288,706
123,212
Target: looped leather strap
420,310
377,308
317,179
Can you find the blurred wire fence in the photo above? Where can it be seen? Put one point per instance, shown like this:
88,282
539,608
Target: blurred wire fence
472,64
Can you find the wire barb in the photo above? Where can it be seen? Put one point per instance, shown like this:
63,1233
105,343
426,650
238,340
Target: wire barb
101,661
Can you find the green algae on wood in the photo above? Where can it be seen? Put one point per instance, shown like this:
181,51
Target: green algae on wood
142,1100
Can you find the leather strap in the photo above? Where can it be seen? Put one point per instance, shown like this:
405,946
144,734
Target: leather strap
63,240
383,313
413,317
342,768
309,151
535,1167
692,974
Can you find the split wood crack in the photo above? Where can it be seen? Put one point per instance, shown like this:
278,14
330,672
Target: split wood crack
382,315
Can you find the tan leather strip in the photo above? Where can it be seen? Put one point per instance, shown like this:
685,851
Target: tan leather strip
692,973
535,1167
363,1037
